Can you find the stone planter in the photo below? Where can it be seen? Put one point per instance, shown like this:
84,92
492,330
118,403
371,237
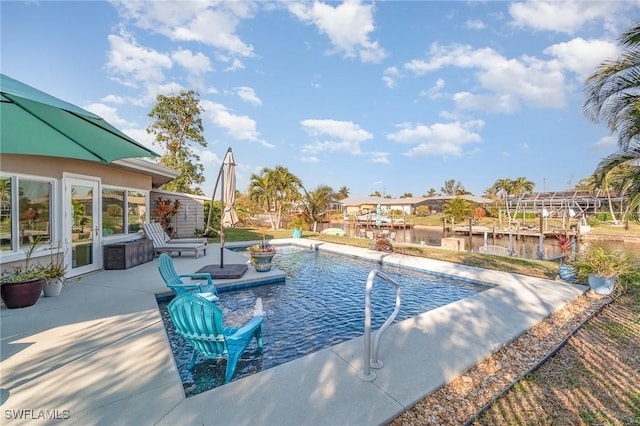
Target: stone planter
53,287
21,295
262,260
601,285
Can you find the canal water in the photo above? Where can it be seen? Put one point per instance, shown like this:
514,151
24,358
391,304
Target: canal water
525,246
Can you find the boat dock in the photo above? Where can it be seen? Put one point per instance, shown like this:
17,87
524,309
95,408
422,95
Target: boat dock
517,232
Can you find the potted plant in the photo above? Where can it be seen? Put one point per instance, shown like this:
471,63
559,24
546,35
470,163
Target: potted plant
22,286
261,256
54,273
566,270
297,225
603,269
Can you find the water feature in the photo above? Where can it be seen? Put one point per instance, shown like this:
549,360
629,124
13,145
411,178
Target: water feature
320,304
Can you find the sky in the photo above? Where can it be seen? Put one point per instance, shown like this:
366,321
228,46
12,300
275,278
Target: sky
389,96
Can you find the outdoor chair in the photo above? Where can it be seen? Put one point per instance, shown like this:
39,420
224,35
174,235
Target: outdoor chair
155,229
179,287
200,322
162,243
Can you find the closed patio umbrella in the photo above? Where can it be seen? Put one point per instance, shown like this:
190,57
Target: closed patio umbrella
378,215
227,180
35,123
229,215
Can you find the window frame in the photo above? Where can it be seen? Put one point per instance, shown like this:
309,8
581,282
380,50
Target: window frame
125,227
17,249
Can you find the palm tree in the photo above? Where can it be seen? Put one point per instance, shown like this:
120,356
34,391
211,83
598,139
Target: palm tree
503,188
285,188
613,97
317,204
342,193
520,187
261,193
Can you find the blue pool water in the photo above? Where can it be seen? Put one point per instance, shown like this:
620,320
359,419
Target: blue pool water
320,304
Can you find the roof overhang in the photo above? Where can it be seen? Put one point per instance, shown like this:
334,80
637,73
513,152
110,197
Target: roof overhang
159,174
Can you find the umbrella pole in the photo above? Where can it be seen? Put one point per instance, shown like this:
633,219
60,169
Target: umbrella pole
222,216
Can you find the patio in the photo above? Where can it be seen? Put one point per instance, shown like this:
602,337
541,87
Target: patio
98,353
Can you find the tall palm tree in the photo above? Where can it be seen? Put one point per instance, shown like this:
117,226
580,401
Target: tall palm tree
519,187
613,97
503,188
285,187
342,193
260,192
317,204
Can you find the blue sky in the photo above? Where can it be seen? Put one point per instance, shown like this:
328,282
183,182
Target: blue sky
390,96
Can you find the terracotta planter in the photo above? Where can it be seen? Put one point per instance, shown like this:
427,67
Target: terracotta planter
21,295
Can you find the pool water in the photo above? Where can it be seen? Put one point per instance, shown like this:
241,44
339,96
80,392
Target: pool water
320,304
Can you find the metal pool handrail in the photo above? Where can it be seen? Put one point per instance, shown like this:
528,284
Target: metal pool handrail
367,375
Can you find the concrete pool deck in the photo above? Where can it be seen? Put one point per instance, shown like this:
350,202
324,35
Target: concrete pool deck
98,354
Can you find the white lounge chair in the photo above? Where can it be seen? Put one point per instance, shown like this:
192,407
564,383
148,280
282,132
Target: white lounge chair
162,243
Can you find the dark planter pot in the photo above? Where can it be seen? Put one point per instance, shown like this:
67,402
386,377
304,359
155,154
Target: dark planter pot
21,295
296,233
567,273
601,285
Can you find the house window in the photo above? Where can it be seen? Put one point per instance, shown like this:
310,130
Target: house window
113,208
123,211
5,214
137,208
25,212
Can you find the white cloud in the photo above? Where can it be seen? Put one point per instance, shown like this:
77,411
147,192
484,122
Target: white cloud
310,159
248,95
195,64
510,81
211,23
236,64
113,99
110,114
474,24
561,16
606,142
389,77
439,138
343,136
434,92
582,56
379,157
347,25
240,127
128,60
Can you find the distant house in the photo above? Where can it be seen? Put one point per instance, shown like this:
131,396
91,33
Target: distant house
362,205
74,181
437,202
353,206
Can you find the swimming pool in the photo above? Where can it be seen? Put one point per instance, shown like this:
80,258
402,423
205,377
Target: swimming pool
320,304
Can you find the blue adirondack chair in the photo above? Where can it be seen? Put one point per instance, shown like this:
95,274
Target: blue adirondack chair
200,322
175,283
